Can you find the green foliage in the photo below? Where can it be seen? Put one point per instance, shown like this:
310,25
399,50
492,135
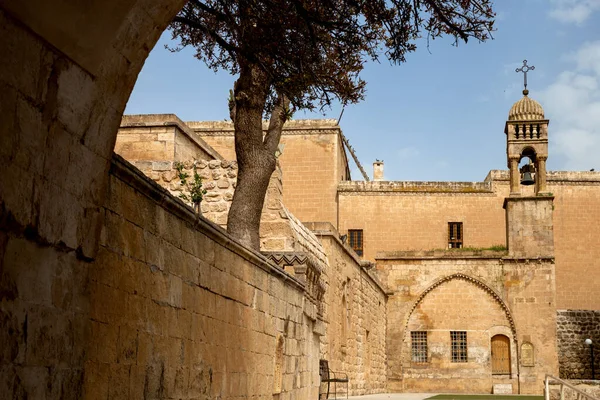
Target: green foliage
312,52
193,187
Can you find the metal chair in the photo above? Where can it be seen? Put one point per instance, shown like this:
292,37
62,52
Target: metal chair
328,376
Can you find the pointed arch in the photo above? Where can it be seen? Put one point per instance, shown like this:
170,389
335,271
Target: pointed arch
491,292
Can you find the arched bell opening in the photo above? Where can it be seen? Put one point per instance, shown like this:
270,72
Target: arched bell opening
527,166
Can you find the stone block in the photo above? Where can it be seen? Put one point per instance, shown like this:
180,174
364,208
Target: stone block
89,231
154,251
175,291
29,67
31,136
49,337
12,336
32,284
502,388
59,213
132,239
118,387
75,96
158,322
97,379
161,166
127,345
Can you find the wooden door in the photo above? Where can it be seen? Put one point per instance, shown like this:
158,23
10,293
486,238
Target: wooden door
500,355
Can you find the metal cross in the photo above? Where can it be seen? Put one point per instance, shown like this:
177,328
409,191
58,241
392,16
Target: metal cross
525,69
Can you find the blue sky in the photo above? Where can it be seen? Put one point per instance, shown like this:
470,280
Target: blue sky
440,116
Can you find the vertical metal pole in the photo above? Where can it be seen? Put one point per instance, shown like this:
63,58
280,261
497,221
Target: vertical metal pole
592,360
547,391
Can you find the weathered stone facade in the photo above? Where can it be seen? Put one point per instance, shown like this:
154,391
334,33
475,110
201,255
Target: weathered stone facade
415,215
355,306
219,178
483,293
313,160
591,387
179,310
73,322
159,138
360,351
572,328
66,73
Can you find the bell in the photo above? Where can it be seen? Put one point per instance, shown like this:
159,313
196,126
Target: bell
527,179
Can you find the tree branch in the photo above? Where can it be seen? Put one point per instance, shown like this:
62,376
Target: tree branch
219,15
278,118
230,48
440,14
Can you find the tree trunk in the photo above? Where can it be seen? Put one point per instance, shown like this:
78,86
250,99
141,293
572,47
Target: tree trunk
255,156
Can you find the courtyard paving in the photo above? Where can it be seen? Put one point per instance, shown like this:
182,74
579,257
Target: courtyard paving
422,396
393,396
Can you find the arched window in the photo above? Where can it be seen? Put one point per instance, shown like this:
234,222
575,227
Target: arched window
500,355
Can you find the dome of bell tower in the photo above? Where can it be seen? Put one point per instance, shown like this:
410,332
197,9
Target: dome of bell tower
526,109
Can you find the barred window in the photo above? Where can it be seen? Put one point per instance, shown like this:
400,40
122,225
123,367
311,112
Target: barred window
419,346
459,346
455,235
355,236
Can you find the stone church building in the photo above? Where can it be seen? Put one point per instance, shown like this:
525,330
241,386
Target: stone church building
480,286
112,287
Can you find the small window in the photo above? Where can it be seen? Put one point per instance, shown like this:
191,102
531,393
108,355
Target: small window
419,346
459,346
455,235
356,240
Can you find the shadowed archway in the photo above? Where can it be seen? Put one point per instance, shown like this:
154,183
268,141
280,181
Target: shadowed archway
66,72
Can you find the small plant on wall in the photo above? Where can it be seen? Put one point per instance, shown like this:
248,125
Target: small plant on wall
193,186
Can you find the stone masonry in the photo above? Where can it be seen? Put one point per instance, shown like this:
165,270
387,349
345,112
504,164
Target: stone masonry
219,179
341,270
179,310
484,293
572,328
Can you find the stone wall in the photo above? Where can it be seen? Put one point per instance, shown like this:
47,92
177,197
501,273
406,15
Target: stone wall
313,160
572,328
362,355
355,307
219,178
66,72
415,216
179,310
482,293
160,137
586,386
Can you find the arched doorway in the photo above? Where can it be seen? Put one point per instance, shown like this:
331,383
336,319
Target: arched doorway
500,350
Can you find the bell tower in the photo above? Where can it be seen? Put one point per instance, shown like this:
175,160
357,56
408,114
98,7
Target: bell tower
527,137
528,218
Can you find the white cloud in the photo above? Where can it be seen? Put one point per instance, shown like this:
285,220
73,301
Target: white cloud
588,57
572,102
573,11
408,152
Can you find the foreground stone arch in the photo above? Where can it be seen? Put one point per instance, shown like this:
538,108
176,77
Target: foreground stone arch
66,72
